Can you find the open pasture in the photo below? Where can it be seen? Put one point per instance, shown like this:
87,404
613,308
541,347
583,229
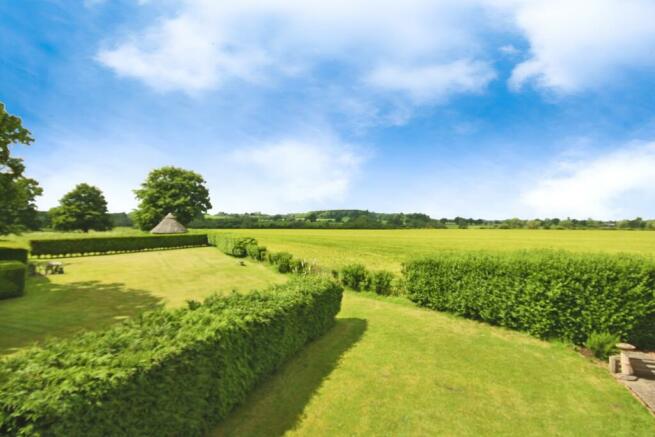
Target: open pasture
387,249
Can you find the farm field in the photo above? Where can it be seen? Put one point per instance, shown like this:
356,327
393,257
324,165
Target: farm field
98,290
387,249
387,368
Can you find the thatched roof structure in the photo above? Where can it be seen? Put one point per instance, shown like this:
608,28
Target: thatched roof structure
169,225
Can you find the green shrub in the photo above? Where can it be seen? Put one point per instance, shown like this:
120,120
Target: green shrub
256,252
166,372
602,344
548,294
231,245
13,254
354,276
282,260
12,278
82,246
380,282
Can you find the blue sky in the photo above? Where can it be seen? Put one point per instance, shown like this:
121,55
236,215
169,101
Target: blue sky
484,108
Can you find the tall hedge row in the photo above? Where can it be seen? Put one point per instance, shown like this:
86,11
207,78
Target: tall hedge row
81,246
13,254
165,373
12,278
548,294
231,245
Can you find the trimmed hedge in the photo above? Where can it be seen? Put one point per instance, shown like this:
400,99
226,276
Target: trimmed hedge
166,372
231,245
13,254
82,246
548,294
12,279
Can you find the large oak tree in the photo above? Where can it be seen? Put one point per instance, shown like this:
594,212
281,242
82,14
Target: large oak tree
171,189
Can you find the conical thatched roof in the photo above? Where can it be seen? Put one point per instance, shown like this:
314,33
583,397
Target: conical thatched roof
169,225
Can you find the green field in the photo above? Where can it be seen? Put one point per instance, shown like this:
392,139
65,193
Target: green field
99,290
388,367
387,249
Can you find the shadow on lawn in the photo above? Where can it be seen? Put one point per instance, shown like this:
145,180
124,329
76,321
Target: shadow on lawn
51,310
276,406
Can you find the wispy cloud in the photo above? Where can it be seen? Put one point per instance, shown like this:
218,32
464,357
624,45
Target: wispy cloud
581,44
599,186
292,173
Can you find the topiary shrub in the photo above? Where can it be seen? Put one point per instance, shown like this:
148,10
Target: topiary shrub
231,245
545,293
354,276
380,282
282,260
256,252
166,372
602,344
12,279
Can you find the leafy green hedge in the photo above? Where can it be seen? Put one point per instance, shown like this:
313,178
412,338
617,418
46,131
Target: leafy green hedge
231,245
81,246
12,278
13,254
548,294
165,372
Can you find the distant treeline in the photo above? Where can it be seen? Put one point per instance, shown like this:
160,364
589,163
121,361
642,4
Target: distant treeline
361,219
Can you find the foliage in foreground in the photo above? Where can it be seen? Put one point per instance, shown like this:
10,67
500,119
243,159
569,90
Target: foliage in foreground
164,372
171,189
602,344
548,294
81,246
84,208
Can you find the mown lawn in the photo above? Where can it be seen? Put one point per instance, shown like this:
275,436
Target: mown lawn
387,249
98,290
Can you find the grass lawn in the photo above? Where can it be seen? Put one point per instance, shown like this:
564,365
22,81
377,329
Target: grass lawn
387,249
393,369
98,290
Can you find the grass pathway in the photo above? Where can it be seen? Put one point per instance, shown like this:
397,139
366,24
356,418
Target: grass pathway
393,369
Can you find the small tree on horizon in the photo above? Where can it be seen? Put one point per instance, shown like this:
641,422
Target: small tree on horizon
171,189
84,208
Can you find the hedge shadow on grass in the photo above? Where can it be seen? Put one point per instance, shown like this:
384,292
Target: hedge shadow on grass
50,310
277,405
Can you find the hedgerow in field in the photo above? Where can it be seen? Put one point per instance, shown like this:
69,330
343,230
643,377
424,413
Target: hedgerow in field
164,372
81,246
548,294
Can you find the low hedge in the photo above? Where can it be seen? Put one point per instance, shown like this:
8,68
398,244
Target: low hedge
548,294
166,372
12,278
13,254
82,246
231,245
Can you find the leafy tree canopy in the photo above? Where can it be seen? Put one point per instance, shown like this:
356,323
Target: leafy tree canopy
17,192
171,189
84,208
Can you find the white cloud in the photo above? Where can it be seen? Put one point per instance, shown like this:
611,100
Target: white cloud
289,174
573,44
434,82
205,43
581,44
600,187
